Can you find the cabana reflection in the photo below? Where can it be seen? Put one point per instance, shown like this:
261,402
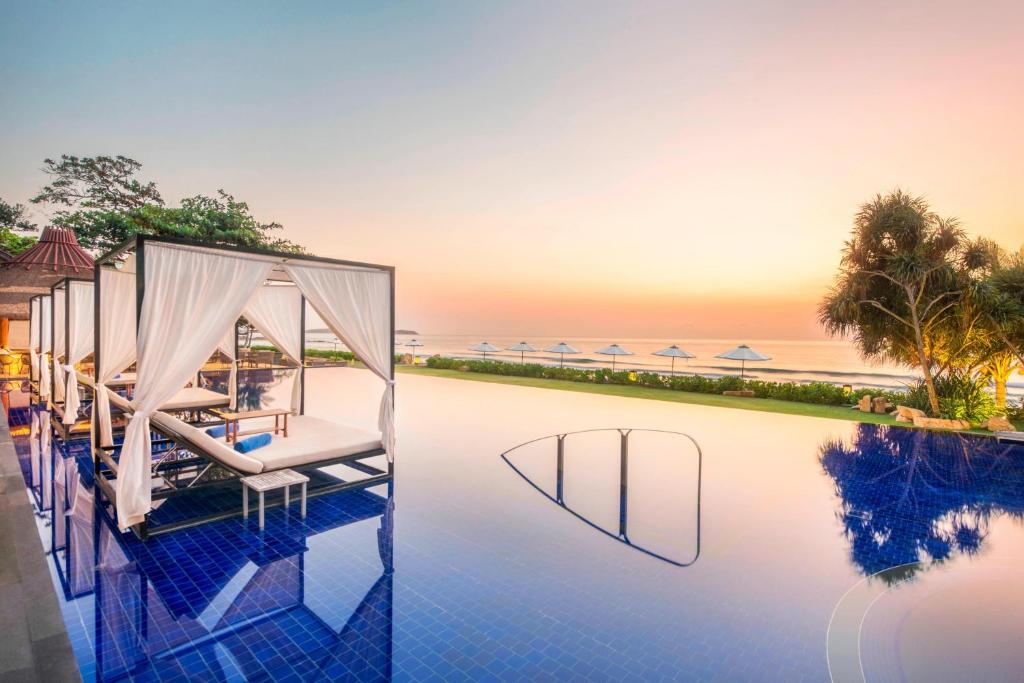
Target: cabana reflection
181,319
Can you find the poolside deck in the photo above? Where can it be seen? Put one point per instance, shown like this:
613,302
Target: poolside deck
34,645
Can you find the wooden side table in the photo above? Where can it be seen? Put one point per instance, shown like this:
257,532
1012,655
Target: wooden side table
270,481
231,420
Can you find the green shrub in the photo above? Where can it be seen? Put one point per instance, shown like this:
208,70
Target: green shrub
963,397
318,353
917,397
821,393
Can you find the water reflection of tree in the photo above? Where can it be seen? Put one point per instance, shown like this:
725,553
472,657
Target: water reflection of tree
253,384
910,496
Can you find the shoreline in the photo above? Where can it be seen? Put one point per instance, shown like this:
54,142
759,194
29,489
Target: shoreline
765,405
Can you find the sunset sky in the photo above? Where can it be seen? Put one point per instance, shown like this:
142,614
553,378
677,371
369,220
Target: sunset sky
620,169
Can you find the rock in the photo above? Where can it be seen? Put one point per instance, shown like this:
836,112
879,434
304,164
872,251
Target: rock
406,359
743,393
939,423
463,368
900,418
879,405
909,413
999,423
864,404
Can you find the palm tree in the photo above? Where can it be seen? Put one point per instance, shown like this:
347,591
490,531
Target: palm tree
999,368
902,276
1000,296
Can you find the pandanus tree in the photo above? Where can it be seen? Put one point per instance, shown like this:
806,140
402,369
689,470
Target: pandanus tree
903,274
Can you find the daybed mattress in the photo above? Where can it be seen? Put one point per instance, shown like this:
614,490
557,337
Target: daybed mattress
310,440
195,397
123,380
189,398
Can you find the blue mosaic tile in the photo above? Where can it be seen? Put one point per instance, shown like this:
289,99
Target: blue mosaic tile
365,589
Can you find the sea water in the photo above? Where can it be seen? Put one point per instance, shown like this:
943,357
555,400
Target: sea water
835,361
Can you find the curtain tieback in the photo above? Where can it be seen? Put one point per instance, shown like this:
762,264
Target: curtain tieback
139,414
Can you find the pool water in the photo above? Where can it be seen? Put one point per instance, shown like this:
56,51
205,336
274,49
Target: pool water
786,547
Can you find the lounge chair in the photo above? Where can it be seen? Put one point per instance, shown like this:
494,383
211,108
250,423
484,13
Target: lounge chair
187,398
312,443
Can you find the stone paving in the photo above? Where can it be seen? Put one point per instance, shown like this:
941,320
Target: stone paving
34,643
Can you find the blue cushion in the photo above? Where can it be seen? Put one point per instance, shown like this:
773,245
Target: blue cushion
219,430
252,443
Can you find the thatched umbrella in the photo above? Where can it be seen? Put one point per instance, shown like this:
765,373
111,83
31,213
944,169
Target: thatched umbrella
485,348
614,350
55,256
674,352
522,347
743,353
561,348
415,344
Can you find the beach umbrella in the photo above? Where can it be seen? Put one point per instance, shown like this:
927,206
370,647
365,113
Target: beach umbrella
522,347
484,348
614,350
414,343
674,352
743,353
561,348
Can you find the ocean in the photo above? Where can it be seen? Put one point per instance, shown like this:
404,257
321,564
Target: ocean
837,362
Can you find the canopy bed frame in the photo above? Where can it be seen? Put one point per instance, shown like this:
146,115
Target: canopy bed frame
178,321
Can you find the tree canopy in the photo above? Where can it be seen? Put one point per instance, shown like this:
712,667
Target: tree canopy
14,219
903,279
104,203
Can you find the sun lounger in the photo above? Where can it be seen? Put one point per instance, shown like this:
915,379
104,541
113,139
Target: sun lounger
188,398
312,443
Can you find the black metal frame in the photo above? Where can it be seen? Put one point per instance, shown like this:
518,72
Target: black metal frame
33,382
105,456
57,407
623,534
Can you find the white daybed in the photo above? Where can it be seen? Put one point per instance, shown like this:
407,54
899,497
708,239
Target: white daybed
310,441
181,320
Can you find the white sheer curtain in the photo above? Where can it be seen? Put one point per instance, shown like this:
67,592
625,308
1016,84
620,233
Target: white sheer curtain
80,322
59,323
276,311
117,340
45,311
356,305
33,338
191,296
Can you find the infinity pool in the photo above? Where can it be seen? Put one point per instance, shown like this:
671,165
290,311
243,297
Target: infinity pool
788,548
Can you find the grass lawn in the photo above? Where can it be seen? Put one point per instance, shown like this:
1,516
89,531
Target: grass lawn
762,404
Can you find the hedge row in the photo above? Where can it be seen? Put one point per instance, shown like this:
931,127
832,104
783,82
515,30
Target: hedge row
318,353
821,393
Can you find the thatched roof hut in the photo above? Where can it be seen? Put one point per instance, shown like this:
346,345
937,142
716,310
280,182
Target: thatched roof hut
55,256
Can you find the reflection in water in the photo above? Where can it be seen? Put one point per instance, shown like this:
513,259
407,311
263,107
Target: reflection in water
254,385
909,496
553,452
223,602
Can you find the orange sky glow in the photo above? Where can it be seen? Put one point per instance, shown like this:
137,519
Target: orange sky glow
580,169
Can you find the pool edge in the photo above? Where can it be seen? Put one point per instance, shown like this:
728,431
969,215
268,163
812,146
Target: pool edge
35,646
